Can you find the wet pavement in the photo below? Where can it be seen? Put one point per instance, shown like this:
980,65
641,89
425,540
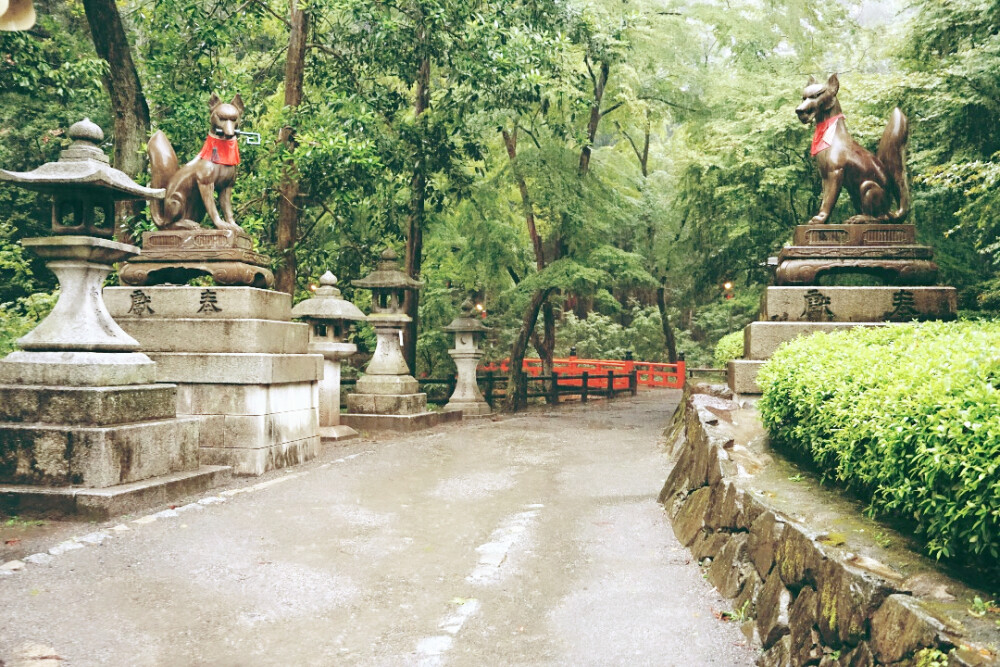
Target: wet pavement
532,540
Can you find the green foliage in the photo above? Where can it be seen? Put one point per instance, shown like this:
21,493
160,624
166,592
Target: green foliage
728,348
20,317
600,337
904,416
930,657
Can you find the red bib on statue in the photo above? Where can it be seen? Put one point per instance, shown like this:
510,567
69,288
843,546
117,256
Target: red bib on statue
221,151
823,137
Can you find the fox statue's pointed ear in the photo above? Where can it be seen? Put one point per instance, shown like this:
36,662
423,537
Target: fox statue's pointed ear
812,81
214,101
237,102
833,84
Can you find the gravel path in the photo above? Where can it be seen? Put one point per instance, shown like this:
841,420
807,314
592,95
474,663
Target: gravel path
531,540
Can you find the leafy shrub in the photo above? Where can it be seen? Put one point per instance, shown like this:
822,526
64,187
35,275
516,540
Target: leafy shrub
20,317
728,348
906,416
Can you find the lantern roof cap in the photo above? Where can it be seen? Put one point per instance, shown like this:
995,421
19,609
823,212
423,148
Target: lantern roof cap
387,274
467,321
83,167
327,304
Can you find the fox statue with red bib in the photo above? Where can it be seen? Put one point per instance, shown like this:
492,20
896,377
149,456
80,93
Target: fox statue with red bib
872,181
191,189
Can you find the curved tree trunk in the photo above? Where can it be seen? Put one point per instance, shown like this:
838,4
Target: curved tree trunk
517,381
668,329
128,103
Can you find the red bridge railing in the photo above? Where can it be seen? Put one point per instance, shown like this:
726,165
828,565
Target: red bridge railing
647,374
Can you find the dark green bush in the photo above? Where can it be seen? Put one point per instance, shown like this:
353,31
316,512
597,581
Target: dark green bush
906,416
728,348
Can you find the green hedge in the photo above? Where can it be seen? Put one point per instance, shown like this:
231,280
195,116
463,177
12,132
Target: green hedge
728,348
907,416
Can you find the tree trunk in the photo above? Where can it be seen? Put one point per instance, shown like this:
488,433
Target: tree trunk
668,329
517,382
288,204
415,222
600,81
128,103
510,141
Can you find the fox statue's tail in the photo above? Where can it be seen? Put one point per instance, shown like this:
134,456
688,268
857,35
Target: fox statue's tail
162,166
892,155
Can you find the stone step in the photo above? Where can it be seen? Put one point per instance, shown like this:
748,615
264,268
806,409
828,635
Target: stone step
222,303
217,336
236,368
761,339
387,404
859,304
87,406
100,504
96,457
741,375
403,423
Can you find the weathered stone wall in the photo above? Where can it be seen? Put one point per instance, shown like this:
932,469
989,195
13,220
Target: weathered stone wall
807,604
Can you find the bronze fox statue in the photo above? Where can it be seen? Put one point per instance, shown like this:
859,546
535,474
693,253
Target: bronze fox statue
873,182
191,189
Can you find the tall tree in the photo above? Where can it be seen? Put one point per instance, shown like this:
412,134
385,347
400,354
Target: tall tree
288,204
128,103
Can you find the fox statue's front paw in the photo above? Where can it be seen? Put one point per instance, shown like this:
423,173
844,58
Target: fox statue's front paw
818,219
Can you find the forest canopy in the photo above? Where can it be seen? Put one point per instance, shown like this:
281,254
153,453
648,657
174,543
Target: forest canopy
590,172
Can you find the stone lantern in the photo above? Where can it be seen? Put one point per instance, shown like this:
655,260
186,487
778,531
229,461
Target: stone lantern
388,397
84,188
469,331
330,318
84,426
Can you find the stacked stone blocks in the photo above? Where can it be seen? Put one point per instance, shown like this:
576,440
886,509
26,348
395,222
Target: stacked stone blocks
806,603
240,364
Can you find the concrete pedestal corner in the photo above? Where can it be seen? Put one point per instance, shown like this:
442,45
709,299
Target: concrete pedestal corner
241,367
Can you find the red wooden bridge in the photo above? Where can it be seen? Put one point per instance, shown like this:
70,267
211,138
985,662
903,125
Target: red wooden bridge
572,372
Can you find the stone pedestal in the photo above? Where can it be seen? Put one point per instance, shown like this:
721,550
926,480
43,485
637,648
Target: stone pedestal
240,365
176,256
387,397
886,253
84,426
467,398
882,253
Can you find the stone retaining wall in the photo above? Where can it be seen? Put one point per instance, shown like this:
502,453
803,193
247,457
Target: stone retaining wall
808,604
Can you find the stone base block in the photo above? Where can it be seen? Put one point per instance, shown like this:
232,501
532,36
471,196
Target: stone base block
387,385
141,273
96,457
469,408
215,335
236,368
331,434
859,304
206,303
761,339
87,406
77,369
402,423
100,504
245,399
253,462
855,235
390,404
741,375
885,271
